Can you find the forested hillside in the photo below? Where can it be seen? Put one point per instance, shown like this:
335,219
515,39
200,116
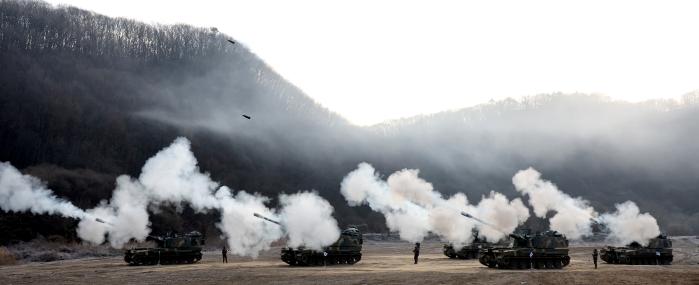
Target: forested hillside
84,98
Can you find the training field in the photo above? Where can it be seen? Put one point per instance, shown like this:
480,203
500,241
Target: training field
383,263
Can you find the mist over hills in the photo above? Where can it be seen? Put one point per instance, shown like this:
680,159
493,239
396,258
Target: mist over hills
603,150
84,98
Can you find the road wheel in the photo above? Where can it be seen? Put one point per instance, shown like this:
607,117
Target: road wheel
566,260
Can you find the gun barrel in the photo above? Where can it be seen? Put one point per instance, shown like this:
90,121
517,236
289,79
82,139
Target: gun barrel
266,219
467,215
103,221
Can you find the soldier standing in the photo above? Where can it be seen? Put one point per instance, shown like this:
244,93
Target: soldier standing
224,253
594,257
416,251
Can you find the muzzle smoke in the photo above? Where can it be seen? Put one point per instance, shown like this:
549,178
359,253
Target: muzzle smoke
172,177
573,216
413,209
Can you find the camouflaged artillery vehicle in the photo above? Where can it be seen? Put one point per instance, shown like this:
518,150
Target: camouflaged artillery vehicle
470,251
171,249
346,250
658,252
545,250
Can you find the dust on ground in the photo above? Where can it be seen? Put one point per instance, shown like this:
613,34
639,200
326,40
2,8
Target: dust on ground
383,262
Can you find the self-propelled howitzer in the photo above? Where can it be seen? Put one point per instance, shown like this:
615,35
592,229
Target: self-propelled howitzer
346,250
657,252
470,251
170,249
547,249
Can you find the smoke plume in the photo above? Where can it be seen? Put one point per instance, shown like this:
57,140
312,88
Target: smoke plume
447,220
308,220
246,234
627,224
502,216
20,193
574,216
413,209
363,185
172,177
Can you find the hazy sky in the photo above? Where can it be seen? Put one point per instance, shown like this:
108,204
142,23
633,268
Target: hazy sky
376,60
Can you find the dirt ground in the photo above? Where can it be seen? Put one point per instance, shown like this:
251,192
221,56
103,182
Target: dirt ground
382,263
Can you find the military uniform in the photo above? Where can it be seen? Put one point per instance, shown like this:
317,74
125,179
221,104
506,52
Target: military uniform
416,251
594,257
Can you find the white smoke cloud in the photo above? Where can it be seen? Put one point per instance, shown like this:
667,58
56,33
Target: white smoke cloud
172,176
20,193
573,215
363,185
93,231
413,209
308,220
406,185
246,235
410,221
627,224
447,220
129,204
502,216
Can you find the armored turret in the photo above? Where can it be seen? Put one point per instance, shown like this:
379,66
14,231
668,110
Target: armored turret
657,252
170,249
346,250
470,251
547,249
